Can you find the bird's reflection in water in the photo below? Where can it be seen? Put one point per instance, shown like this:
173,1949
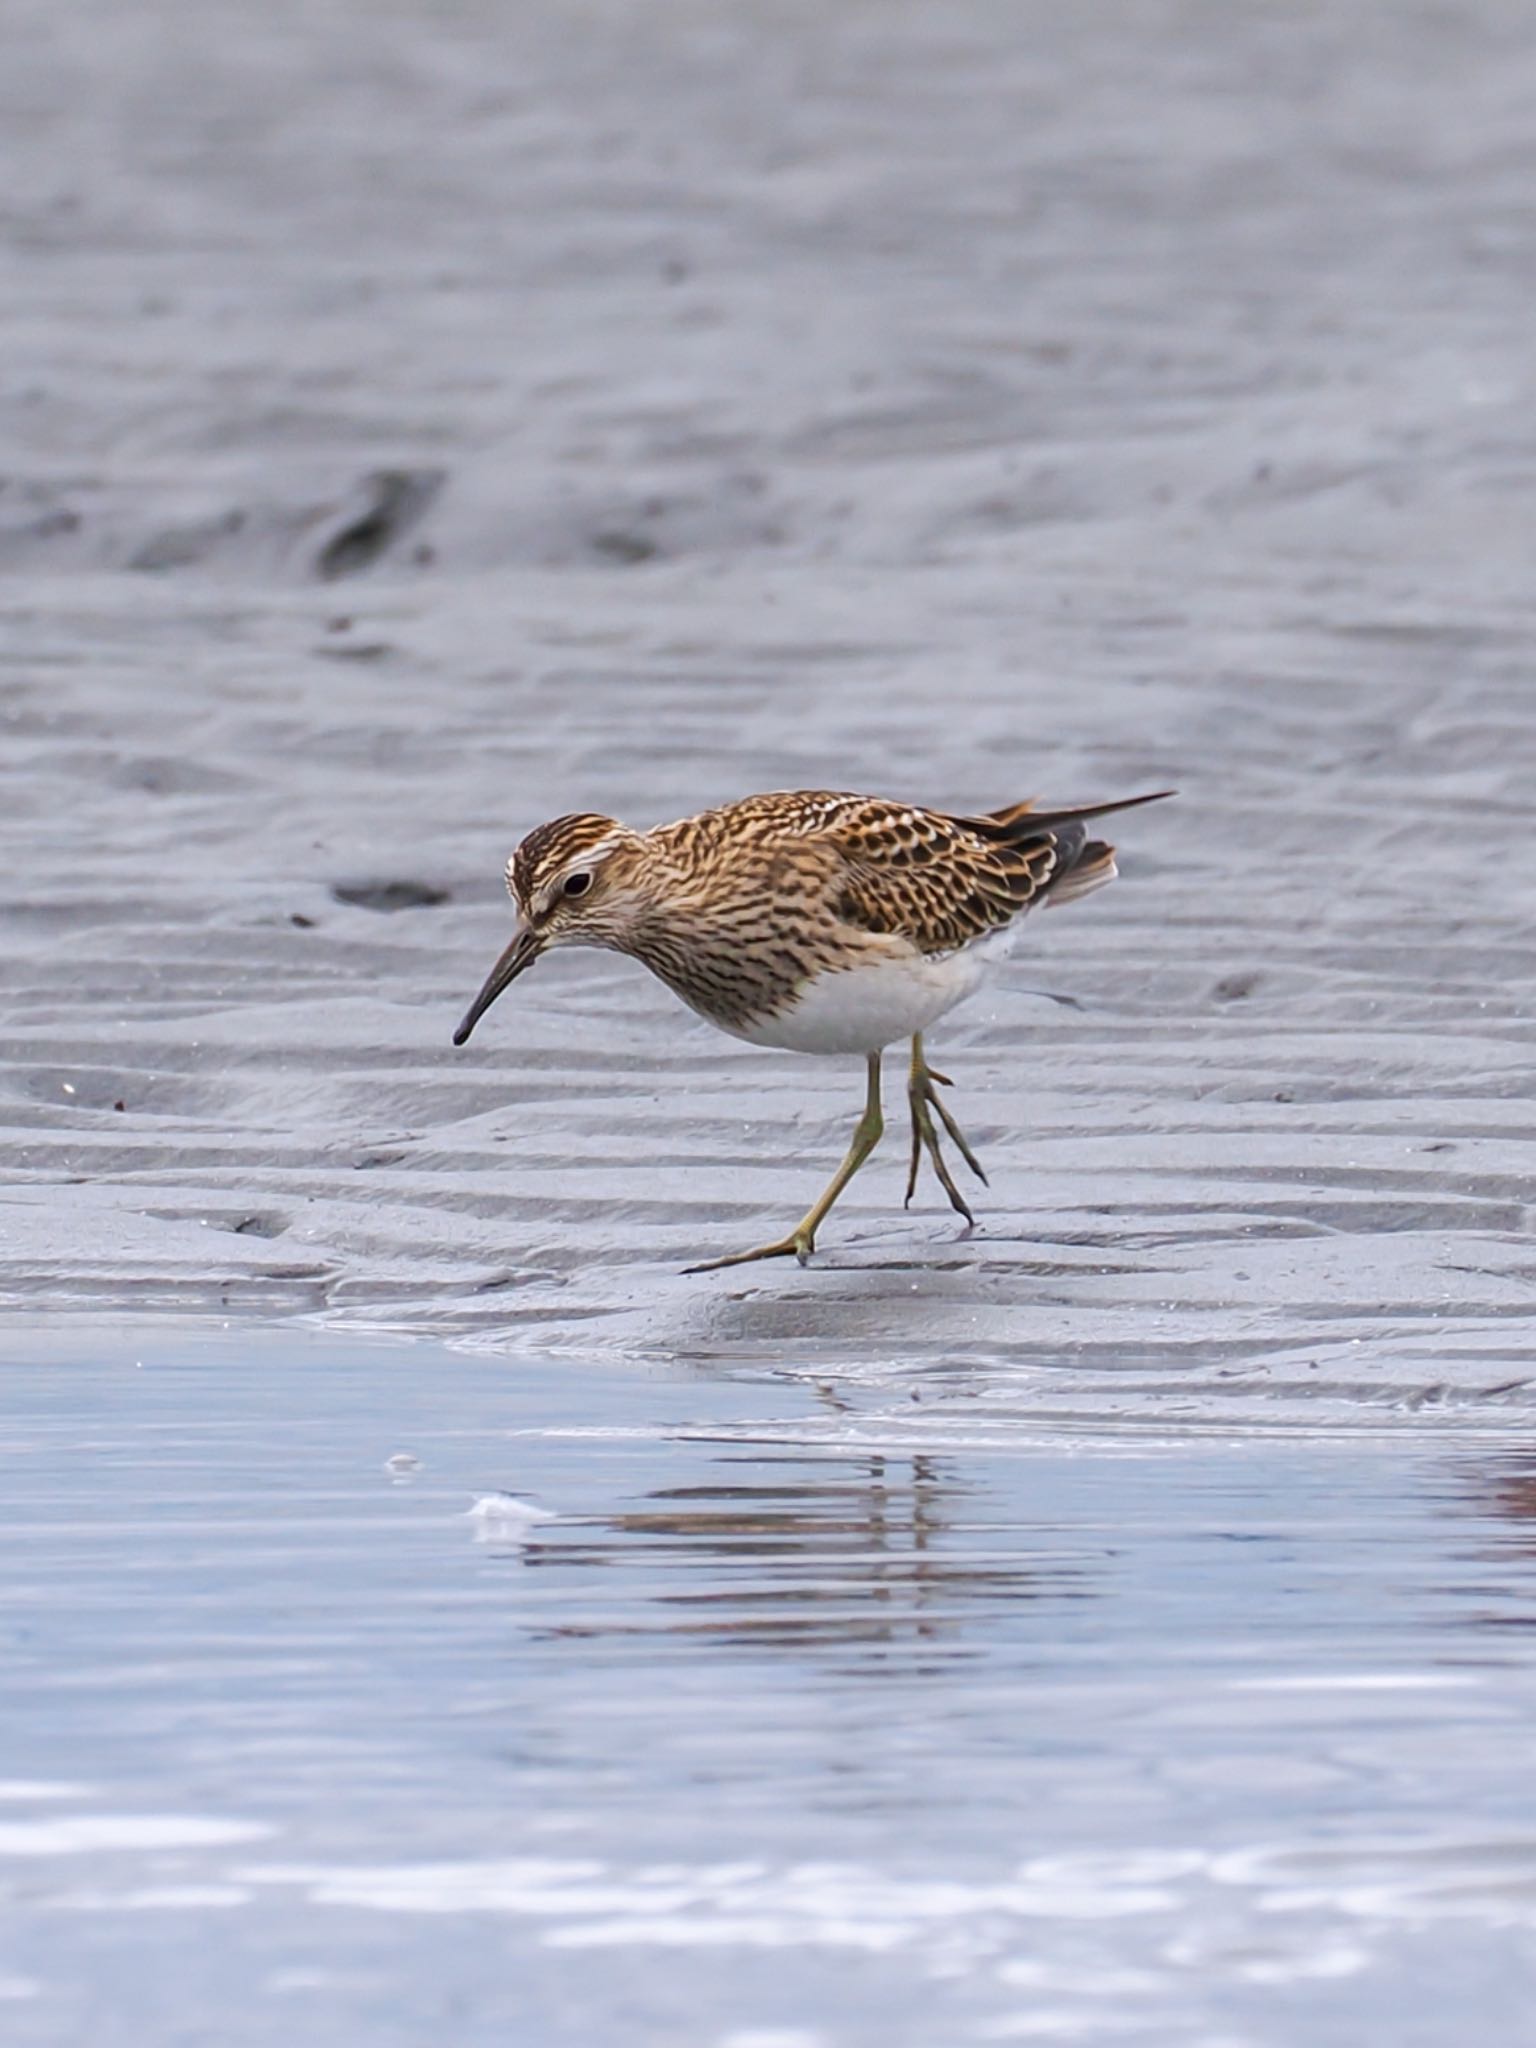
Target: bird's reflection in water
1487,1587
1506,1487
805,1551
1503,1490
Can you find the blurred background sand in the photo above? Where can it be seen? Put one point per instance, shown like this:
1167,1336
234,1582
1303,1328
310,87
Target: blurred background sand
1115,1626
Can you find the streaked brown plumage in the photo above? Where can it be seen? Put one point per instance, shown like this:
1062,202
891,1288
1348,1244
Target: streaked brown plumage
816,920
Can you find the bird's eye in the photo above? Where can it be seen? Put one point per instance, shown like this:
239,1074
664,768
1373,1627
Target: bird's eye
577,885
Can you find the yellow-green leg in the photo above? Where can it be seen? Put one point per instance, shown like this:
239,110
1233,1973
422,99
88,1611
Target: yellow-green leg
921,1098
801,1241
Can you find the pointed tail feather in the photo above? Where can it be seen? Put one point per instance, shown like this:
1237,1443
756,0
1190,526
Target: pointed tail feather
1018,821
1010,813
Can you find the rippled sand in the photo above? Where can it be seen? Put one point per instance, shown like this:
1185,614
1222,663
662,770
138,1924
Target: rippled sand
949,405
417,422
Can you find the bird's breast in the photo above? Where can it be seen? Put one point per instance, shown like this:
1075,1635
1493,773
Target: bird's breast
858,1009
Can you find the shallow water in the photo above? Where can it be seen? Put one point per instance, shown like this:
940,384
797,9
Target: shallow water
387,1693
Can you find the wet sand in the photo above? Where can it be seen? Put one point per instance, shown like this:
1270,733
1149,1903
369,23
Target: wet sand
421,422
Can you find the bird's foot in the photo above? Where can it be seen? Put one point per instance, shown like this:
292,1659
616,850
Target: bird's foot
801,1241
922,1100
798,1245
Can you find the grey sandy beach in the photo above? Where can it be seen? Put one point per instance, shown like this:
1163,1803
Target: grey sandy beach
425,1613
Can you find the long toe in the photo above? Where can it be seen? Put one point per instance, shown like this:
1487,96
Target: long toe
957,1201
966,1153
961,1146
796,1247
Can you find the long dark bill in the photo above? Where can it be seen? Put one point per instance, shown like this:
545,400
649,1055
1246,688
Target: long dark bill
525,948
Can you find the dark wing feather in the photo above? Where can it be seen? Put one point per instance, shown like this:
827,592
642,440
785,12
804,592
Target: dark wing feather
1024,816
936,880
943,881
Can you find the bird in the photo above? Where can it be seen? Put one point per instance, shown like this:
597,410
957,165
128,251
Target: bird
814,921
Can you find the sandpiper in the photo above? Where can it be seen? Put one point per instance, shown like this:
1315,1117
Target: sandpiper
810,920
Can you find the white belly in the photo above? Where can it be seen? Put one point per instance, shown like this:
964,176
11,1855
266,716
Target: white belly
860,1009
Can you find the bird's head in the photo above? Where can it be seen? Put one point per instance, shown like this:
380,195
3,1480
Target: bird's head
573,885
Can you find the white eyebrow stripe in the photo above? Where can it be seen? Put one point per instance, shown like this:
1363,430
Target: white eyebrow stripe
577,864
600,851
